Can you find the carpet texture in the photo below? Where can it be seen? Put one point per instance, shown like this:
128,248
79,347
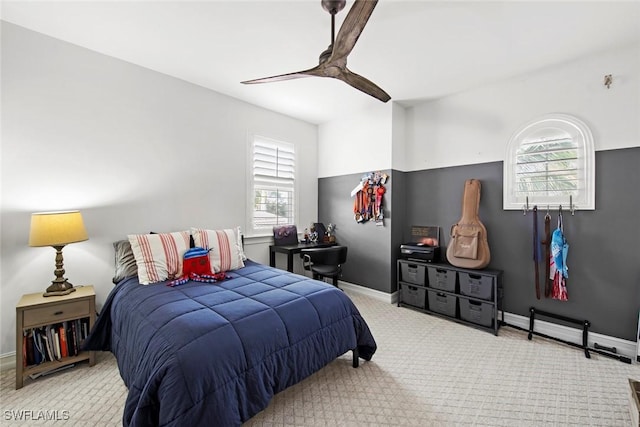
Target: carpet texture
427,372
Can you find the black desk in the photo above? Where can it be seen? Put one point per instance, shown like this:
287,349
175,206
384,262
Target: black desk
290,250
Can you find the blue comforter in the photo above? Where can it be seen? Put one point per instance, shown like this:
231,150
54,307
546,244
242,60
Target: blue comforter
215,354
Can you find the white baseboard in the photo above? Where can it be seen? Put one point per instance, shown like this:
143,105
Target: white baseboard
379,295
566,333
8,361
573,335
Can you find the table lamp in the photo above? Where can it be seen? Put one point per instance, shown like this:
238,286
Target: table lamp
57,229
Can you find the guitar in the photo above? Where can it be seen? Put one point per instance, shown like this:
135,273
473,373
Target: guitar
468,246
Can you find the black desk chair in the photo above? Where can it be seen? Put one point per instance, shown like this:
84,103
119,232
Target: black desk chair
325,262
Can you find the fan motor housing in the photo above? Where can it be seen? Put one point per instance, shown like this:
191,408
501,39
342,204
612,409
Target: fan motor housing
333,6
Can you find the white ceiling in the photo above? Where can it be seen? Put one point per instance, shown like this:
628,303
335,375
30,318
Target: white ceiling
414,50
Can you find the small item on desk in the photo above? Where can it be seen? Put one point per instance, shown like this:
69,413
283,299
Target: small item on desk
285,235
306,236
313,236
331,232
321,230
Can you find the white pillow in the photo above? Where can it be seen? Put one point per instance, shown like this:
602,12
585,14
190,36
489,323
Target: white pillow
226,247
159,256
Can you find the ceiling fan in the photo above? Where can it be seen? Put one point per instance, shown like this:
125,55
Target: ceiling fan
333,61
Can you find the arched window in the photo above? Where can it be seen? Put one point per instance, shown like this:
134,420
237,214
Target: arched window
550,161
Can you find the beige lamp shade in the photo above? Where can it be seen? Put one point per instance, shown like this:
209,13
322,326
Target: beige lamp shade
56,228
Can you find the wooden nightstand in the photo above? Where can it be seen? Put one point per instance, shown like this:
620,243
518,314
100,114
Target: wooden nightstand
35,311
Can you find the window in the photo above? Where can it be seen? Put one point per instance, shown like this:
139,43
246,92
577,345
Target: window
550,162
272,191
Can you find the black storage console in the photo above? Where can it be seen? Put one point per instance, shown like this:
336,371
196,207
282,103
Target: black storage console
472,297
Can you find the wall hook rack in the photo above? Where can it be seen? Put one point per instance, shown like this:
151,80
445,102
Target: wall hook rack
525,207
572,207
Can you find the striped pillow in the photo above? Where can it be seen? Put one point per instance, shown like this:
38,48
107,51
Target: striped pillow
226,251
159,256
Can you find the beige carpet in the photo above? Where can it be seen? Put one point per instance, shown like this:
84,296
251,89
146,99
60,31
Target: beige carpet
427,372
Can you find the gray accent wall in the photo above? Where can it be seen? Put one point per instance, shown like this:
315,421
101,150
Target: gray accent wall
399,231
603,260
370,249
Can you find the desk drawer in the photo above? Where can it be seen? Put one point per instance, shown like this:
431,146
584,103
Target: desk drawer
56,313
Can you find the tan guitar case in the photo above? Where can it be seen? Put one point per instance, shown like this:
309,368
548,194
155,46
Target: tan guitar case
468,246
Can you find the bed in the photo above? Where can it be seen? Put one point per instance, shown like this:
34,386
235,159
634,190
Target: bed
216,353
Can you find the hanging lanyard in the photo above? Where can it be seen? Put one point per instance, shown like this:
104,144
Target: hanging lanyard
560,218
536,249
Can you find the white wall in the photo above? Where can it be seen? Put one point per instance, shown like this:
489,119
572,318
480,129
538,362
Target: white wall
475,126
360,142
134,150
399,138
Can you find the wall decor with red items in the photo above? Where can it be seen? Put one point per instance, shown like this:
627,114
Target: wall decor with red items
369,197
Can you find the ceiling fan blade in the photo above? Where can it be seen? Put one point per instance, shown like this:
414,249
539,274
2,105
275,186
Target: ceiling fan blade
351,28
363,84
333,61
315,71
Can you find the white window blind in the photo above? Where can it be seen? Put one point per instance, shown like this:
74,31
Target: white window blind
550,162
273,179
548,168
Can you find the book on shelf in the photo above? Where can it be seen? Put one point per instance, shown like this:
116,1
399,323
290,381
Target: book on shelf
34,351
56,342
78,327
53,342
68,338
73,347
37,347
62,336
47,346
74,334
85,328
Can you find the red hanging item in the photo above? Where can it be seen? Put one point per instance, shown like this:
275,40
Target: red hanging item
360,204
369,198
380,190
